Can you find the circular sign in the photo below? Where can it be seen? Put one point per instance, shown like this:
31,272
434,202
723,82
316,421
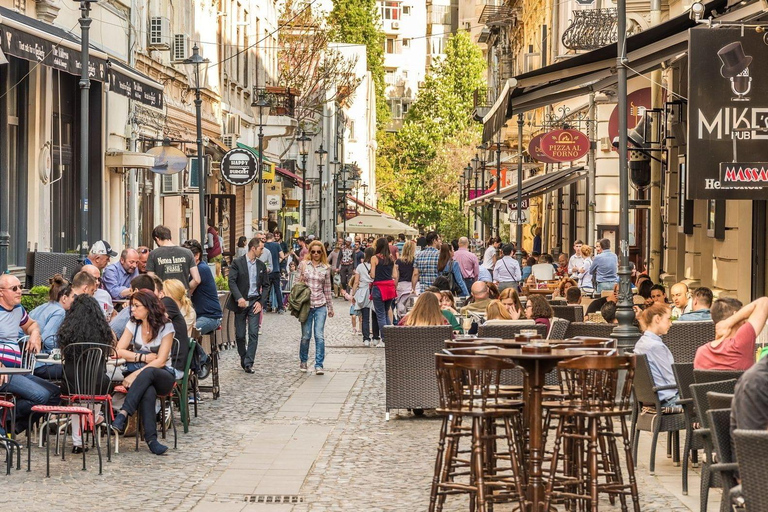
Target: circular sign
168,160
534,150
238,166
565,145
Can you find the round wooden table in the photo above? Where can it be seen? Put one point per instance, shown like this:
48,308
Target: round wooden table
535,366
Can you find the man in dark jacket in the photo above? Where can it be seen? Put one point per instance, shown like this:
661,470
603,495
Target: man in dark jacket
249,289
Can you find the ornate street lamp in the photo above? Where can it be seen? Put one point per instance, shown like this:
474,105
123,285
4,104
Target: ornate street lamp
304,141
336,173
468,179
262,104
85,85
321,155
193,63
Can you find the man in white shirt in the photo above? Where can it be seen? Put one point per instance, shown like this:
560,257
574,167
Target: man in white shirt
490,253
102,296
577,260
506,273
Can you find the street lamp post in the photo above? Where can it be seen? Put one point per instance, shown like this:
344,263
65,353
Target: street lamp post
335,180
365,194
262,104
498,189
304,141
468,179
194,62
321,154
85,87
625,332
519,225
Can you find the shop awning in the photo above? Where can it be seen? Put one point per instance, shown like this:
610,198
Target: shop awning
376,224
129,160
497,116
256,152
36,41
285,173
596,70
535,186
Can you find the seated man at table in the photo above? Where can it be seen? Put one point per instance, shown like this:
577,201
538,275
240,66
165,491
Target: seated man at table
655,321
480,299
597,305
702,301
749,407
573,296
736,330
28,389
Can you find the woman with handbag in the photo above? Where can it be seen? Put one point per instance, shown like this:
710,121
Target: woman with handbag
449,268
315,272
361,299
383,291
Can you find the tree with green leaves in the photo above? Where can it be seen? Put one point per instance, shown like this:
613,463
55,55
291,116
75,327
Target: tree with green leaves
420,166
358,22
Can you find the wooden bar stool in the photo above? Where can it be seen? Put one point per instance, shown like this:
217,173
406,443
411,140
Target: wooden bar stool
585,440
469,390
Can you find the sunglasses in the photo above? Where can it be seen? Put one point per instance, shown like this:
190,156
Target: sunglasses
143,251
315,252
13,288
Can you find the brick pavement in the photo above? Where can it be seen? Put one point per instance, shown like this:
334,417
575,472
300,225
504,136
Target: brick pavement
320,439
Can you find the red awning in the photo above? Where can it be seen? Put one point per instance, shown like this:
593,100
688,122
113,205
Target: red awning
291,176
363,204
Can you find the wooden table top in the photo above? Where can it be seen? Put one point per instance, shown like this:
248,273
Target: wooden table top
516,353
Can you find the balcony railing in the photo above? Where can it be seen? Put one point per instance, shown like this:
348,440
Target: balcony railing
591,29
497,15
281,100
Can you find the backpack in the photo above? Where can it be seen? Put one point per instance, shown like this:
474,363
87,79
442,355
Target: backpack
447,281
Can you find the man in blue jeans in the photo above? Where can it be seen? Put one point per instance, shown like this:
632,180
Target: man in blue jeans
249,286
274,277
28,389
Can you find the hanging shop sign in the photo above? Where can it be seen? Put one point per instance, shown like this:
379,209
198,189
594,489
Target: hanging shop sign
168,160
565,145
274,193
638,102
727,115
535,152
238,166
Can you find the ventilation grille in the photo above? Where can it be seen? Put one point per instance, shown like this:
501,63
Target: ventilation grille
273,498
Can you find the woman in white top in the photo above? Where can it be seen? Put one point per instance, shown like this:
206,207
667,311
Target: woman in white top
146,346
361,298
582,276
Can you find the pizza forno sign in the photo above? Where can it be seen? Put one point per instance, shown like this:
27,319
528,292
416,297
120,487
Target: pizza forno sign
565,145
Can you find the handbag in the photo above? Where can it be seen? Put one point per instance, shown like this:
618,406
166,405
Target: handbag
130,367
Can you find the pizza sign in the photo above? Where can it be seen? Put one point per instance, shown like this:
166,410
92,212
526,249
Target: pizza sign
565,145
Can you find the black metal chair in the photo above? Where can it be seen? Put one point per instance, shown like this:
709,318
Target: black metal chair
648,415
684,338
589,329
557,329
570,313
726,467
752,452
699,392
684,378
704,376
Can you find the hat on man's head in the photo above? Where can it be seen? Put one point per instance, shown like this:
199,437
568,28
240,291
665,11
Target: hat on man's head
102,247
311,237
350,239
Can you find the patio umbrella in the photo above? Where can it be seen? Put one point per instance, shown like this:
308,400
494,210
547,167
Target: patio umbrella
376,223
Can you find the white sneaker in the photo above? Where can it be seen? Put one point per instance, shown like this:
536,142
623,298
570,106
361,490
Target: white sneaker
260,331
366,343
379,344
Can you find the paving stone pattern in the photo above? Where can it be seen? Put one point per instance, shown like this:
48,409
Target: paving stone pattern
320,441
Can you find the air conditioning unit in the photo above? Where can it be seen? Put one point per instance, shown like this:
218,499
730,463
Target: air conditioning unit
231,124
180,50
159,33
395,25
229,140
171,183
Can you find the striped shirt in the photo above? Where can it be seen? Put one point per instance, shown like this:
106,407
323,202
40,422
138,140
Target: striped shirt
11,322
318,278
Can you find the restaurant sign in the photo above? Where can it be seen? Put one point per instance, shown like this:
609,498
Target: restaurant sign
535,152
238,166
727,115
565,145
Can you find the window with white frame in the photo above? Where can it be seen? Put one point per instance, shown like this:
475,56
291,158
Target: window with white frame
390,10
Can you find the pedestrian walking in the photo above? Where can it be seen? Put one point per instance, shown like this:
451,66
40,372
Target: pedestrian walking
450,269
346,263
361,299
249,288
384,274
407,277
315,272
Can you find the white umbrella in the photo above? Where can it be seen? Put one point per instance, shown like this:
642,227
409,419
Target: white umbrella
376,224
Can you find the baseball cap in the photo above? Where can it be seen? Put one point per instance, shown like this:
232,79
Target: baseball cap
350,239
102,247
311,237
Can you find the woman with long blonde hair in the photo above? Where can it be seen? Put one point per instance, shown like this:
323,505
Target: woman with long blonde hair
315,272
174,289
425,312
407,276
497,311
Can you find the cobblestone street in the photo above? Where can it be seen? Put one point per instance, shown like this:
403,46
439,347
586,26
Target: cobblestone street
320,439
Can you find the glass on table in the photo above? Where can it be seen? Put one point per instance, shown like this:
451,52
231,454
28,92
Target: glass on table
466,323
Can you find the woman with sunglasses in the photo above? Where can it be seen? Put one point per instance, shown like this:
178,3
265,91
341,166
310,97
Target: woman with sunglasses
315,272
146,342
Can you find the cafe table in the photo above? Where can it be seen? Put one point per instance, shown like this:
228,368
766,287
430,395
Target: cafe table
536,365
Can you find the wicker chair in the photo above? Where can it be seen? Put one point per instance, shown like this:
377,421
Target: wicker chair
653,419
589,329
409,362
726,466
699,392
684,378
752,452
558,328
508,332
570,313
719,400
705,376
684,338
